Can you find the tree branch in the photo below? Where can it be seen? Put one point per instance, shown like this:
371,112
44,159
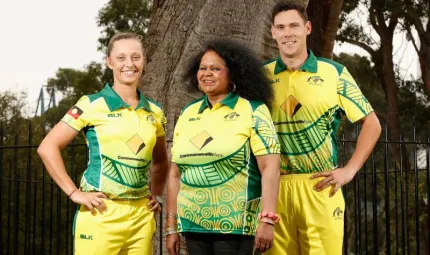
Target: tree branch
362,45
394,20
414,19
376,6
428,15
372,18
407,28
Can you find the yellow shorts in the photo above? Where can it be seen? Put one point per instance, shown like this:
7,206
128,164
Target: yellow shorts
127,227
311,222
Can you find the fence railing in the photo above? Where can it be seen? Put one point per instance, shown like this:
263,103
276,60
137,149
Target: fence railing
387,203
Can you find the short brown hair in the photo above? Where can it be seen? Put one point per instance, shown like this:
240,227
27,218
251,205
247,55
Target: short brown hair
289,5
122,36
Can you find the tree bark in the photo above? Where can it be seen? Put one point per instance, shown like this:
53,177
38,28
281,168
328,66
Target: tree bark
424,58
391,87
383,59
332,8
316,11
423,31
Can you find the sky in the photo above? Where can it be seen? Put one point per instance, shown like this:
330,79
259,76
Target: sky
38,37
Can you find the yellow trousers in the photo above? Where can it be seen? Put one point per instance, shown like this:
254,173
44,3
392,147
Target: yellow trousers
311,222
127,227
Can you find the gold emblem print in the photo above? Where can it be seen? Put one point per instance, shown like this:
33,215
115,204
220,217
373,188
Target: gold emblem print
201,140
136,144
231,116
150,118
291,106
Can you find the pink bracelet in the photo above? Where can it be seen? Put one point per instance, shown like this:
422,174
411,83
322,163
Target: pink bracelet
269,215
72,192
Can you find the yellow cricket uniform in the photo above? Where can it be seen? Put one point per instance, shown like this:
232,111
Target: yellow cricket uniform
308,108
215,148
120,141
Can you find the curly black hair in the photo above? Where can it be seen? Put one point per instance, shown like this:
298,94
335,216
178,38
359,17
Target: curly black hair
245,70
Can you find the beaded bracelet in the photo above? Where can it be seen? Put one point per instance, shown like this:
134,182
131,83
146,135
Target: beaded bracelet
269,215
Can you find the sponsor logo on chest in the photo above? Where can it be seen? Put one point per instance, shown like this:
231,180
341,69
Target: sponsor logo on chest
315,80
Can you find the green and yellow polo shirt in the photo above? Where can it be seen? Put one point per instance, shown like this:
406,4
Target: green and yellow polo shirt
215,148
308,107
120,141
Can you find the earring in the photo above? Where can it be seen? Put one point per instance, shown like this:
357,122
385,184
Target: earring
234,87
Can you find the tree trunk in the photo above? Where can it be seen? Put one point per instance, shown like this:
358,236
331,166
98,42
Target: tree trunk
332,8
177,30
413,18
424,58
316,12
385,71
391,88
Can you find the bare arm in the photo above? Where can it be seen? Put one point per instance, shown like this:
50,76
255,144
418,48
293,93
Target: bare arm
173,190
369,134
160,167
269,169
172,240
270,174
49,151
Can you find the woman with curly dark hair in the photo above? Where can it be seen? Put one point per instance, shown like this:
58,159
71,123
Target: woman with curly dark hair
224,175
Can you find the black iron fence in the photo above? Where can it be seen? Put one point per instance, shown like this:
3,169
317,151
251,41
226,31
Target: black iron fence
387,202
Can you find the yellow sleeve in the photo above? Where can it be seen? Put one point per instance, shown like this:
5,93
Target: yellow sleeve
351,99
161,124
174,148
79,115
264,139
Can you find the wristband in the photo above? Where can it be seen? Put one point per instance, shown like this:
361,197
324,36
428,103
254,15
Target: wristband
269,215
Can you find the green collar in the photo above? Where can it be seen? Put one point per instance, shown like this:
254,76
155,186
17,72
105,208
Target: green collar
310,65
230,101
114,101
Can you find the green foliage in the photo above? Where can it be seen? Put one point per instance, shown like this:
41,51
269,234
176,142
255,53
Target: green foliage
76,83
413,102
123,16
415,111
12,105
73,84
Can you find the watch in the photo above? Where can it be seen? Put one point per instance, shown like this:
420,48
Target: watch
159,199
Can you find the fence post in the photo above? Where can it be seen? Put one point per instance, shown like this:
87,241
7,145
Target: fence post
28,194
417,222
17,179
1,187
428,194
387,195
42,247
402,196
